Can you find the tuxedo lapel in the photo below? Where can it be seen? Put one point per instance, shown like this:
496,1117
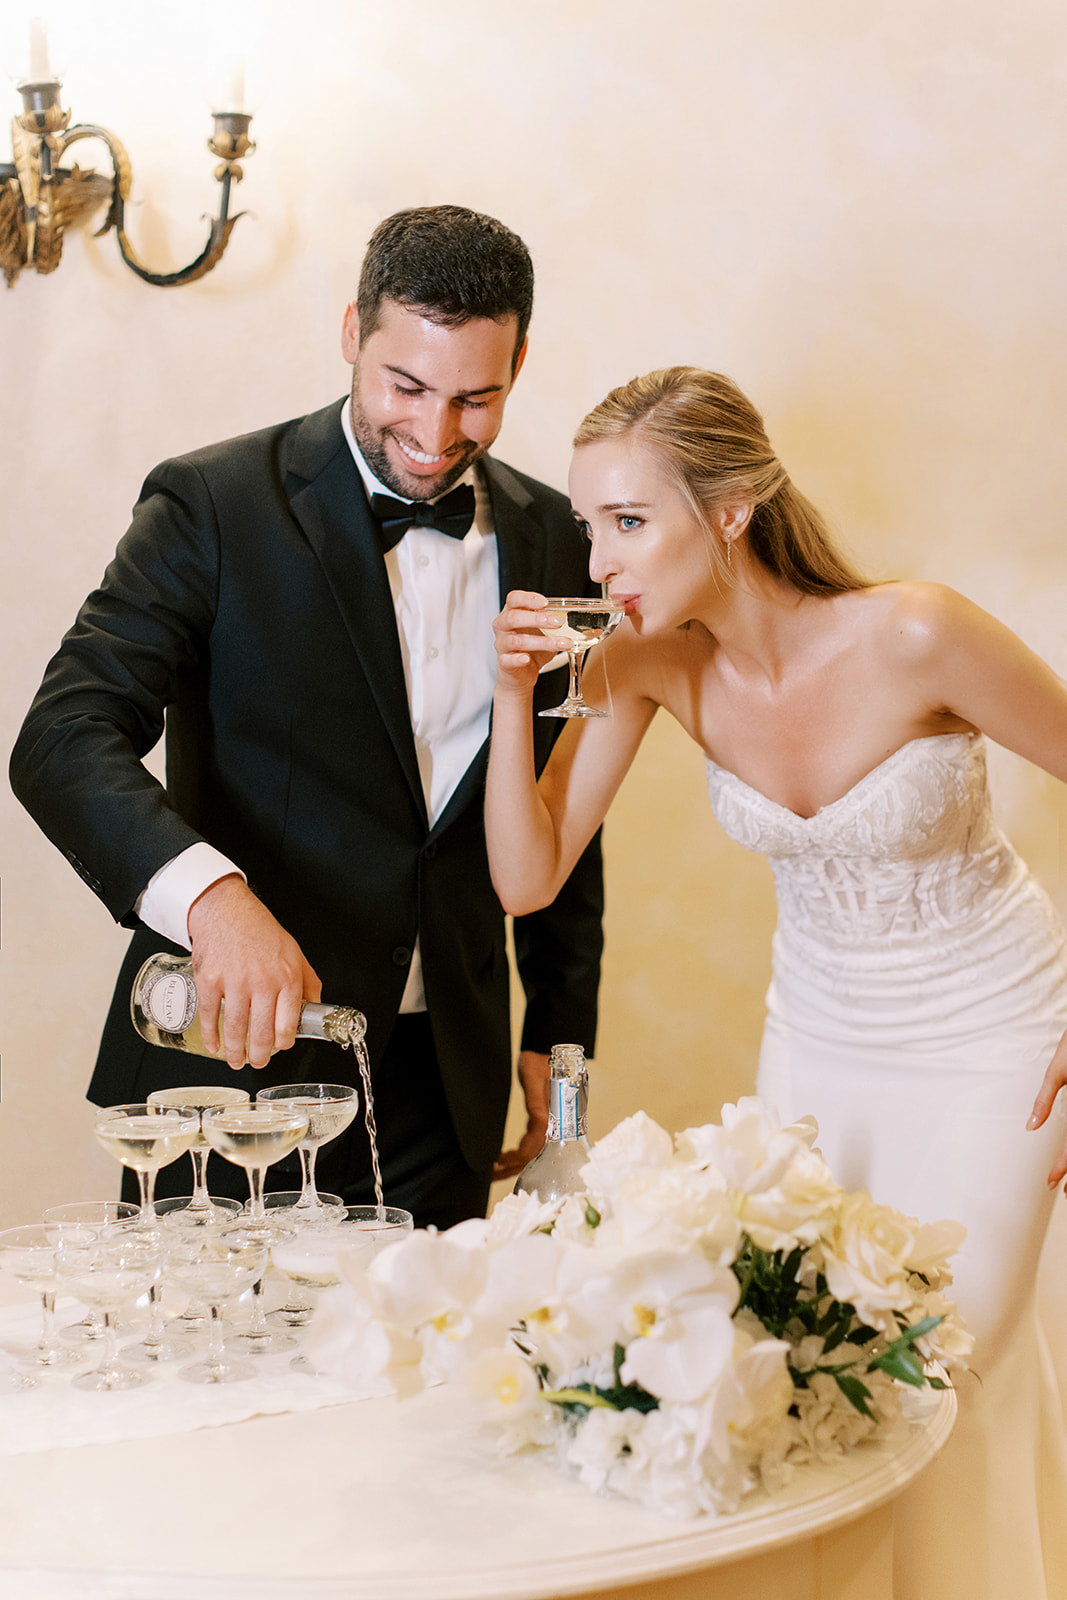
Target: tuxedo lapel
521,557
519,537
328,501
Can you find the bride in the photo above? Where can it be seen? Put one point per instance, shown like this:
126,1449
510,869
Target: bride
919,987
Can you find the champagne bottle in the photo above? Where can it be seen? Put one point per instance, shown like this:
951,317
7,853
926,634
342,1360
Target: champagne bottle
165,1011
554,1172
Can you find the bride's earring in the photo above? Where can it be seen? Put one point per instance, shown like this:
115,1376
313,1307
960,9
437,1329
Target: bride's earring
729,553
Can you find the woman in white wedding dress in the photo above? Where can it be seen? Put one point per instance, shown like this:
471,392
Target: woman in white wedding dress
919,989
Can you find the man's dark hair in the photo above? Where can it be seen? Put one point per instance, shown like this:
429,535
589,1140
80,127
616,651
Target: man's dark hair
451,265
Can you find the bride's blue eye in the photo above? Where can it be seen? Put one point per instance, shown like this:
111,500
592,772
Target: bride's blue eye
630,524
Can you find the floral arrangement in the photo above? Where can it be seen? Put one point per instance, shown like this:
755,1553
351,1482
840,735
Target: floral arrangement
709,1313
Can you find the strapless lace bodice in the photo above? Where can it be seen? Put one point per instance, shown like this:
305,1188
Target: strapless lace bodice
912,845
904,889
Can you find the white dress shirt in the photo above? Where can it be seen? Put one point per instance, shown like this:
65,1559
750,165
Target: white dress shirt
446,593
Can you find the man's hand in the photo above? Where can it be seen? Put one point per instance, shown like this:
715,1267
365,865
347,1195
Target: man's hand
243,956
533,1076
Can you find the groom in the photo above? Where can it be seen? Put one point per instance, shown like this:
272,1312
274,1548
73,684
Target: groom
308,610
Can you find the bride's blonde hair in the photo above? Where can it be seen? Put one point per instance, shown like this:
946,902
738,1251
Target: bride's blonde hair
710,441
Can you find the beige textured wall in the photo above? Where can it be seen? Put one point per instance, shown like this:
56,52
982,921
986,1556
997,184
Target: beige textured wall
855,211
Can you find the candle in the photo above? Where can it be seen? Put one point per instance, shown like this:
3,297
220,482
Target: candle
40,66
233,93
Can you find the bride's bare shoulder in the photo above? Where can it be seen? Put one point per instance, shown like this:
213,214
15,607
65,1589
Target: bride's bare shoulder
911,621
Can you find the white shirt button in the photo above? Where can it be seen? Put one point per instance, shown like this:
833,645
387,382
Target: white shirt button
432,653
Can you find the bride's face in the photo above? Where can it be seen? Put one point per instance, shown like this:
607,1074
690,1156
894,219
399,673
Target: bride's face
646,543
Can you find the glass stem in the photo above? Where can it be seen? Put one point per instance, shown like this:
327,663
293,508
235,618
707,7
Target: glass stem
153,1339
146,1182
215,1349
201,1200
309,1195
575,662
45,1351
111,1345
256,1209
257,1325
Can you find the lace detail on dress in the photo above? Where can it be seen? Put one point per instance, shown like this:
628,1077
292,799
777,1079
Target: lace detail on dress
911,847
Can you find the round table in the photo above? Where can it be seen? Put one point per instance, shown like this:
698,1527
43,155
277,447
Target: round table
405,1500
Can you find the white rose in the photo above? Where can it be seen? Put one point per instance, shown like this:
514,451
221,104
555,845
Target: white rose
865,1258
637,1141
670,1208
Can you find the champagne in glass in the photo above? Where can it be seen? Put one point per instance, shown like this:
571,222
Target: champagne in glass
579,624
329,1108
146,1139
254,1137
201,1208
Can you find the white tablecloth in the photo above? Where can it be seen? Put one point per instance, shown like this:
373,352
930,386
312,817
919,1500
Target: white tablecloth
405,1500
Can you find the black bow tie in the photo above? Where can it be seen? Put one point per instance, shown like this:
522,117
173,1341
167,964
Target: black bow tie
452,514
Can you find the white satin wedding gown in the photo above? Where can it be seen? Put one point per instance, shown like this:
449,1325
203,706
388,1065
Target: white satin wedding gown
919,989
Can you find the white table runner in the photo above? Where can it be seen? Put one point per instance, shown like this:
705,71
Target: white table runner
57,1415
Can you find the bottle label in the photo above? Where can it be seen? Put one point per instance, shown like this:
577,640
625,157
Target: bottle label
169,1000
563,1119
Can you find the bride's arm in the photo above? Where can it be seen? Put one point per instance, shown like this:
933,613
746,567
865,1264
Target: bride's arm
535,833
965,662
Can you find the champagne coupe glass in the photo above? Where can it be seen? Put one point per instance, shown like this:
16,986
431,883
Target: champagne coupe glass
157,1344
200,1208
146,1139
217,1267
254,1137
383,1226
29,1254
313,1260
259,1338
296,1311
329,1107
582,623
99,1216
103,1273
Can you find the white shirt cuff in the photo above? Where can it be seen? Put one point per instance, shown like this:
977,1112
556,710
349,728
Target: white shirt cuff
164,903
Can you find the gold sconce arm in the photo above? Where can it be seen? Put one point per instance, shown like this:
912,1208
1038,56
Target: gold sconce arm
39,199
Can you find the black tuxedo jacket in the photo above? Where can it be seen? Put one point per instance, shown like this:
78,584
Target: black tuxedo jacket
249,608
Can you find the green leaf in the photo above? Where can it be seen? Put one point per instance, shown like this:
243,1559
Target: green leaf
900,1362
592,1215
862,1335
856,1392
583,1395
919,1330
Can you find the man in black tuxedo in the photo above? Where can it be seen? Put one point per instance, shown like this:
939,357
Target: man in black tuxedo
309,607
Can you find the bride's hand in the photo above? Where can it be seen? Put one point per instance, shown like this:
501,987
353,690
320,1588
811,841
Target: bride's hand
521,647
1054,1080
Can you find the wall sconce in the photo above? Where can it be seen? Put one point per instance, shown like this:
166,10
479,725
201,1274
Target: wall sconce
40,200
